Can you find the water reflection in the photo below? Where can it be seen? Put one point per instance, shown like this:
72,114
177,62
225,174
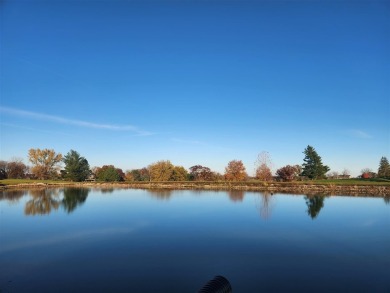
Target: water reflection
74,197
236,195
175,246
387,199
43,202
265,205
162,194
12,196
107,190
314,204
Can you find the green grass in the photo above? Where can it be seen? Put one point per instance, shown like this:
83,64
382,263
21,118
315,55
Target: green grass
373,181
27,181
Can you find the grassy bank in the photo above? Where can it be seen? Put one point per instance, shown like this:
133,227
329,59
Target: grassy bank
343,182
353,187
27,181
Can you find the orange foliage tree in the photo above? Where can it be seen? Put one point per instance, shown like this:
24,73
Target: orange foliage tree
235,171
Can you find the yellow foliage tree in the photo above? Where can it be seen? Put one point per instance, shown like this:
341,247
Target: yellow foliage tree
44,162
179,174
161,171
166,171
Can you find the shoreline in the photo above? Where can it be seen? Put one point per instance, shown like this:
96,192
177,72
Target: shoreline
274,187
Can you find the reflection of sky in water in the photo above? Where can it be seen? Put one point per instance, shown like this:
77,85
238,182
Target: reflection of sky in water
138,241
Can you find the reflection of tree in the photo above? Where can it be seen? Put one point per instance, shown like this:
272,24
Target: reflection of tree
387,199
236,195
74,197
266,205
12,196
314,204
163,194
107,190
42,202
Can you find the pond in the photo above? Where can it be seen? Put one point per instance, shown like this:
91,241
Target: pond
127,240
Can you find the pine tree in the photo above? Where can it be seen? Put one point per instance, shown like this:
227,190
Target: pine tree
312,166
384,168
76,167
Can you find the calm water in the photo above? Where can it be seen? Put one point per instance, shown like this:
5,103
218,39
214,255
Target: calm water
77,240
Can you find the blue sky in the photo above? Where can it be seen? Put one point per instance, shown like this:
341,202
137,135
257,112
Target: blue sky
129,83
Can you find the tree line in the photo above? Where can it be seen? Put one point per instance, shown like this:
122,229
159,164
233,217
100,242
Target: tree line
46,164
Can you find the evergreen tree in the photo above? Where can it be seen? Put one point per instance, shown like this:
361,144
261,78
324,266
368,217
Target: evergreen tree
384,168
76,167
312,166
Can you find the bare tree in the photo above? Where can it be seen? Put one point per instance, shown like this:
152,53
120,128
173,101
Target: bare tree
263,167
333,175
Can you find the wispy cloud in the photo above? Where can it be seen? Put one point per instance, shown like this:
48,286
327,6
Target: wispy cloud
358,133
79,123
33,129
187,141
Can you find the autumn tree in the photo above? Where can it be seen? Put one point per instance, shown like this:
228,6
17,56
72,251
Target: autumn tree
201,173
76,167
144,174
45,162
263,166
121,174
384,168
161,171
312,166
367,173
289,173
166,171
235,171
138,175
179,174
16,169
129,176
109,173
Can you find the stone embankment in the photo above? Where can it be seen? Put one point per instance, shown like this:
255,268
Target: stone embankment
276,187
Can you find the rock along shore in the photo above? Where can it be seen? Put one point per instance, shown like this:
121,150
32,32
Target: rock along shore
274,187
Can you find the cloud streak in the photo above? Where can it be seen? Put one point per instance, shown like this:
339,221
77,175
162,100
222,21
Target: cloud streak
79,123
359,134
186,141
